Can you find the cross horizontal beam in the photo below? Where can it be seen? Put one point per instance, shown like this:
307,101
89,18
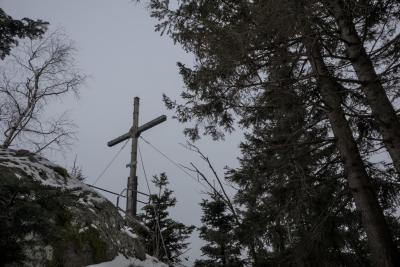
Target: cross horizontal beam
151,124
119,139
141,129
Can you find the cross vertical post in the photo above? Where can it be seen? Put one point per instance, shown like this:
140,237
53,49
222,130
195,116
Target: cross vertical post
134,133
131,200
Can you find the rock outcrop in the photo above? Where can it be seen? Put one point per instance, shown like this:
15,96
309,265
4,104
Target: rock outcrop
48,218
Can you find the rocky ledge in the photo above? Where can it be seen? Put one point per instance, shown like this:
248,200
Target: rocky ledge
49,218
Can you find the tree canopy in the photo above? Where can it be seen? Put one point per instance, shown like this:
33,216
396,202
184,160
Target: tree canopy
168,240
314,84
13,29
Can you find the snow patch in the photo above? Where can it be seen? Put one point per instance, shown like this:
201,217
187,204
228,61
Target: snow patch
122,261
128,231
84,229
44,171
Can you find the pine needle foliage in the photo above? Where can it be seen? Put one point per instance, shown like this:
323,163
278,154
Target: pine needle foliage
168,240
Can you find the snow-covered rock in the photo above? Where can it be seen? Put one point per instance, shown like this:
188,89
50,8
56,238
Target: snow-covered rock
48,218
122,261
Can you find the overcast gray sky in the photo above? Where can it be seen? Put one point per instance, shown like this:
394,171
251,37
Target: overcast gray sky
124,57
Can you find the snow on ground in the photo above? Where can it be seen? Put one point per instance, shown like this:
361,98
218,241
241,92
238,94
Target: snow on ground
43,171
39,168
129,232
121,261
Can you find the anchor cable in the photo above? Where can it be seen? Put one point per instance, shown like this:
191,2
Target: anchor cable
179,166
111,162
154,209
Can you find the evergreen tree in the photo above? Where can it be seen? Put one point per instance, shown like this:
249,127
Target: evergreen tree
376,23
167,241
235,43
288,168
12,29
222,249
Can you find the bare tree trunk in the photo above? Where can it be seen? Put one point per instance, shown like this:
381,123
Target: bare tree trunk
382,109
46,71
10,137
381,245
18,126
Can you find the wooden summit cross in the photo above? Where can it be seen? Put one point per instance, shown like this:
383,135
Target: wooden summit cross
134,133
